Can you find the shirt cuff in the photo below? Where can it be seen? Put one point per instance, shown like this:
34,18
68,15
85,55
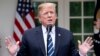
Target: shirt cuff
16,52
81,54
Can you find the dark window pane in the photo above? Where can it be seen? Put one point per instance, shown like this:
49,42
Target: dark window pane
75,8
35,7
88,25
89,8
90,54
85,36
76,38
75,25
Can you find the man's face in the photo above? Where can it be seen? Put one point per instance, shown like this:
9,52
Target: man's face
47,15
97,23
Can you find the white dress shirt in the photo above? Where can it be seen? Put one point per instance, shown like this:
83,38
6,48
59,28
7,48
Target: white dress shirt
52,33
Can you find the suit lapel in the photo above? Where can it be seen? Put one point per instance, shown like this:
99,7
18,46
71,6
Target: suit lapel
57,39
41,40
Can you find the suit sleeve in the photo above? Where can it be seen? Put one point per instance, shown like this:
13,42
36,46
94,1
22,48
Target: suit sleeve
23,51
73,50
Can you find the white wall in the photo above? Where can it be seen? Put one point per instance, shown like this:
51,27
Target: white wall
7,13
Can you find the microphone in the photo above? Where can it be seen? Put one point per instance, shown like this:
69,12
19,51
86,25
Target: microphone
49,28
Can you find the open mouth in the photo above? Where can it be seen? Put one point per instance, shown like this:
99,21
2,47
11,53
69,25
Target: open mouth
50,20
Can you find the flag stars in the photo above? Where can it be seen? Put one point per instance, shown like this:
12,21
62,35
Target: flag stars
22,14
27,5
19,9
20,0
19,4
23,9
27,0
27,10
23,5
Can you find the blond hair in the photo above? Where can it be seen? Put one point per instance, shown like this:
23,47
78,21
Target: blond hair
41,6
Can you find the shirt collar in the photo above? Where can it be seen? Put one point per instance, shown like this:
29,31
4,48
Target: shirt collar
96,30
45,31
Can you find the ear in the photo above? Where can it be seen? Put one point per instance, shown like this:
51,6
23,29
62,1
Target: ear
39,19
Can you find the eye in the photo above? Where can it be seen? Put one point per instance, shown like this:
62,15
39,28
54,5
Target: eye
51,12
45,13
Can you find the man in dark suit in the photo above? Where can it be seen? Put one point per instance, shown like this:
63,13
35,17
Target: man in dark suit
34,41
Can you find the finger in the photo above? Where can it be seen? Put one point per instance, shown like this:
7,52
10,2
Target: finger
10,39
17,43
87,39
79,42
91,46
7,44
7,41
91,42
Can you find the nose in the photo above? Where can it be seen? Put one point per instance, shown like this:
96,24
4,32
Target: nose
49,15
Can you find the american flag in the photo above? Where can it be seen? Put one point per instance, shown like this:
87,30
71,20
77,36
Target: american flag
24,18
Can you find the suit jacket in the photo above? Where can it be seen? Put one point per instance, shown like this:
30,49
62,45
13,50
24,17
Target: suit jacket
97,44
33,43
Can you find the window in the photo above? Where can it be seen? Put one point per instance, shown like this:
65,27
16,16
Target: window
81,19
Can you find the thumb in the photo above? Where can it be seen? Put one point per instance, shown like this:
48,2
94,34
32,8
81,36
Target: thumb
17,43
79,42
